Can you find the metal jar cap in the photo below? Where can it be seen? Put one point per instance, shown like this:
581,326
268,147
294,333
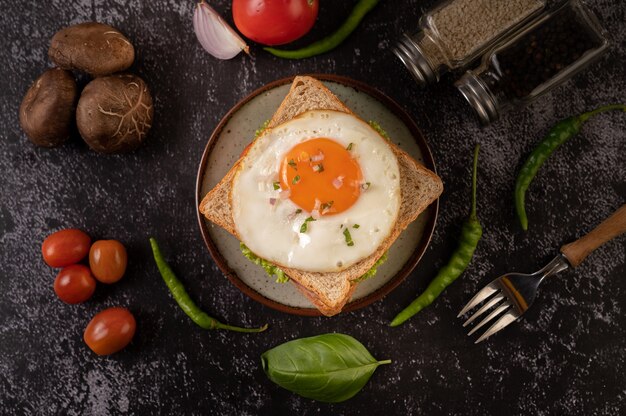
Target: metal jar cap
479,97
413,58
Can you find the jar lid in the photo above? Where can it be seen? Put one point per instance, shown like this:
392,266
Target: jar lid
414,59
479,97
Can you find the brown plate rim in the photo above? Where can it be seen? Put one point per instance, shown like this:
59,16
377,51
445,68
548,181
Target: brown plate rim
408,266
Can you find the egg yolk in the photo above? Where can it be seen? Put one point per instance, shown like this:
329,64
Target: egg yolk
321,175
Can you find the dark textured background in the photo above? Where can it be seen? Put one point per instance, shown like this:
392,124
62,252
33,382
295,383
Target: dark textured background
566,357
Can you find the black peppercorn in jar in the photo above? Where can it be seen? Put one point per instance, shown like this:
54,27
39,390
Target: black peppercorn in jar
545,53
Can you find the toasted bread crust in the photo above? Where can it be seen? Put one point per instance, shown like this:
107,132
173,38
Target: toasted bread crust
322,307
419,187
216,204
306,94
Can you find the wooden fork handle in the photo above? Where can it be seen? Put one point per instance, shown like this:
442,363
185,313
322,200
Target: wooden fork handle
610,228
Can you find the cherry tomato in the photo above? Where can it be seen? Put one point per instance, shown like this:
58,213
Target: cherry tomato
274,22
107,260
110,330
65,247
74,284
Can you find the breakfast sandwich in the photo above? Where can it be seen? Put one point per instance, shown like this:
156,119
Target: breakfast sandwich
320,195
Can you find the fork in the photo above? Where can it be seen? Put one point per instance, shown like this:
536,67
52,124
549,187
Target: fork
510,295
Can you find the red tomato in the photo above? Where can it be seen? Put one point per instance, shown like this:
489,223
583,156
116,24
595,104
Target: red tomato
65,247
74,284
107,260
274,22
110,331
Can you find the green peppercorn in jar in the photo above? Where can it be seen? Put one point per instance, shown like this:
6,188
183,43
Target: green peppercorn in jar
548,51
457,32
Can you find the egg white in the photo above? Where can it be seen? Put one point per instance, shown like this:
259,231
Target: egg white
272,231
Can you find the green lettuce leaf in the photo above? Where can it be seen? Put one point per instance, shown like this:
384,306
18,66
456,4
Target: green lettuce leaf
281,277
269,268
372,272
379,129
261,129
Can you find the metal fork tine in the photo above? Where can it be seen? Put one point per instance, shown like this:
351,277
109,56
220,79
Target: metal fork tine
483,294
501,323
496,299
492,315
518,290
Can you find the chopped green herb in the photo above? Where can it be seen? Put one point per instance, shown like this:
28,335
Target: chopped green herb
298,211
379,129
295,179
349,146
326,205
319,168
366,186
292,163
305,225
276,185
356,226
349,241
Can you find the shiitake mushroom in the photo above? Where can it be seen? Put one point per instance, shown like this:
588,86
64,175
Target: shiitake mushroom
47,110
91,47
114,113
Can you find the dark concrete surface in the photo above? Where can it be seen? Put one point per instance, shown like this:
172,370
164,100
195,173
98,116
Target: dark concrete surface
566,357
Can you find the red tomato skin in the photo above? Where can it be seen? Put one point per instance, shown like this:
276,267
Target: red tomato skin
108,260
274,22
110,331
74,284
65,247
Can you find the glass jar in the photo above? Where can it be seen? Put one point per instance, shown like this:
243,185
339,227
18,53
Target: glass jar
547,52
456,32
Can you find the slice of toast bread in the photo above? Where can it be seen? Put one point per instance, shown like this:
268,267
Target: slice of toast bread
419,187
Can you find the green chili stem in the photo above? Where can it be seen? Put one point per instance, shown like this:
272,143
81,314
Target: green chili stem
239,329
471,233
474,175
332,41
180,295
586,116
558,134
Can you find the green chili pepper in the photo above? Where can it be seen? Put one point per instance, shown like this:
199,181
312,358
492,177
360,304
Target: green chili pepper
558,134
332,41
470,234
181,297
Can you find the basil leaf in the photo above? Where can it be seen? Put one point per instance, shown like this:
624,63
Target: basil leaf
329,368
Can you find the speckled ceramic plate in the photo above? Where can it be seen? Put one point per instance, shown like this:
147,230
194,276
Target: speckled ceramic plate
235,131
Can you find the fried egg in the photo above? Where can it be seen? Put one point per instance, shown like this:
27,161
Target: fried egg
317,193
